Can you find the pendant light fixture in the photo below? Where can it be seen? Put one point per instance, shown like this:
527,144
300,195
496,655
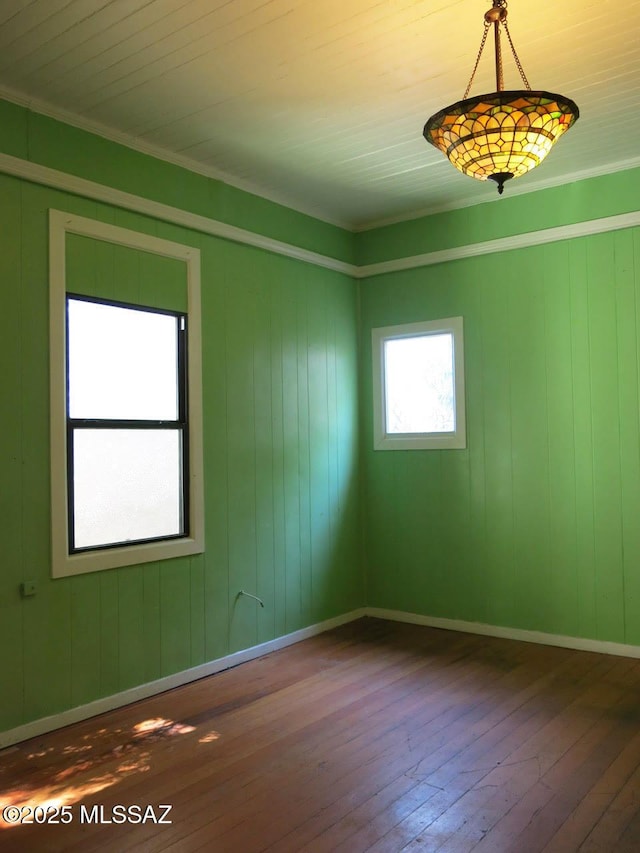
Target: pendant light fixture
503,134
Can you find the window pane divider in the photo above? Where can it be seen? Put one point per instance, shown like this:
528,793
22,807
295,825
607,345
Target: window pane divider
105,423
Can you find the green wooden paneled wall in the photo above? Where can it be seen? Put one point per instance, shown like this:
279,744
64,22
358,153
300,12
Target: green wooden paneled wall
505,216
280,455
535,524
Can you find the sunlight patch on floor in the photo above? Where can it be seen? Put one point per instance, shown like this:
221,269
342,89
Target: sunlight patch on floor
88,775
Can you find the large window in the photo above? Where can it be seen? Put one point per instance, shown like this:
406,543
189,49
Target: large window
418,386
126,410
127,429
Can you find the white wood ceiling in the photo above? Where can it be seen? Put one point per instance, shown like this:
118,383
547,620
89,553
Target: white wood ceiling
321,104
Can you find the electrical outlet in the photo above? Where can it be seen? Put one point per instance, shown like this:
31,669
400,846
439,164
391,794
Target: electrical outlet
27,589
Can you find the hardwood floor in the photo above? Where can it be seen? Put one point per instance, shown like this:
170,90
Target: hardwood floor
376,736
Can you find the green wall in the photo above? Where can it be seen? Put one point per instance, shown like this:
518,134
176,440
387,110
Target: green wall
280,456
505,216
535,524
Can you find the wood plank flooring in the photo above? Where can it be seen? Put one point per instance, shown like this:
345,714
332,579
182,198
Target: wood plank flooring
376,736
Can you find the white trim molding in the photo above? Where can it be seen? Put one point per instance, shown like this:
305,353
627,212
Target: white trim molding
583,644
178,679
215,228
62,562
176,216
45,176
35,105
504,244
515,189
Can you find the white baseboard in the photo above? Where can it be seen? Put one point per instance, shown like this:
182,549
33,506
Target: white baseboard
152,688
143,691
579,643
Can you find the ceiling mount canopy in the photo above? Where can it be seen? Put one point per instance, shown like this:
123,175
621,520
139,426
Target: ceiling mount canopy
503,134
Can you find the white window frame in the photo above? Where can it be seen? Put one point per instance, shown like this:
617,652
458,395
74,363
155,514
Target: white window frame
63,563
382,440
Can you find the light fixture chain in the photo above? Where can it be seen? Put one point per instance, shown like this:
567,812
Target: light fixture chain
499,71
475,67
515,56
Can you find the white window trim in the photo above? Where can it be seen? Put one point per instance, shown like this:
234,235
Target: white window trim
63,563
418,441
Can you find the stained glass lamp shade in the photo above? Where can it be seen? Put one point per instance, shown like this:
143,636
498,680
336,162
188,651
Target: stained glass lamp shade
503,134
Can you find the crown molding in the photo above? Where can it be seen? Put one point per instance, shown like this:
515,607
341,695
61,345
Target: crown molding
515,189
136,144
67,117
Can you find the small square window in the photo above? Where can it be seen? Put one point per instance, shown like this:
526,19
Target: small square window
418,386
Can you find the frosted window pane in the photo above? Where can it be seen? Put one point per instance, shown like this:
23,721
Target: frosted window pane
419,385
122,363
127,485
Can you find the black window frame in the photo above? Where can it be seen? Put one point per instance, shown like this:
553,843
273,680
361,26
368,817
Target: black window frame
181,424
